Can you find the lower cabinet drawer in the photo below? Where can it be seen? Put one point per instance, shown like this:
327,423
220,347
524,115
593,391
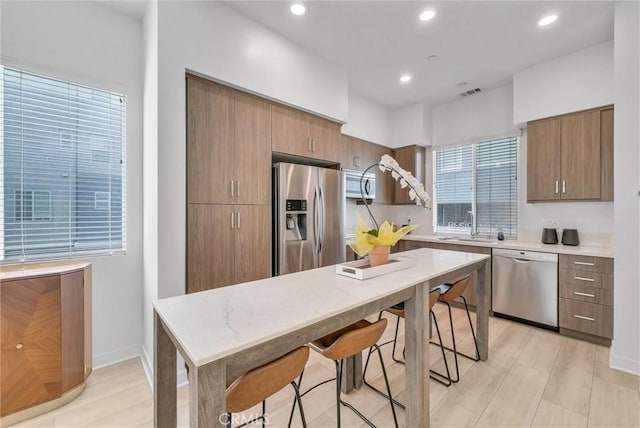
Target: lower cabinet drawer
585,293
586,317
582,278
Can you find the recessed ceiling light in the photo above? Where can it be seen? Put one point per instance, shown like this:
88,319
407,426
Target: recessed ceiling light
405,78
432,57
427,15
298,8
547,20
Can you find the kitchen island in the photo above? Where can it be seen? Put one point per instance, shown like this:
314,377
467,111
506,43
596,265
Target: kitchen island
223,332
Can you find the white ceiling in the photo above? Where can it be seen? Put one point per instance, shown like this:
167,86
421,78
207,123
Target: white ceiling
479,42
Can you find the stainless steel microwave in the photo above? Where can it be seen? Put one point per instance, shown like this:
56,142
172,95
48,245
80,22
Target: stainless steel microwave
353,188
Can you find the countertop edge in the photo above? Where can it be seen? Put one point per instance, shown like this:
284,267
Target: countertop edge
580,250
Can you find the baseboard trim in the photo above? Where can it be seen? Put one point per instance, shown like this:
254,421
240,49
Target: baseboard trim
625,364
117,356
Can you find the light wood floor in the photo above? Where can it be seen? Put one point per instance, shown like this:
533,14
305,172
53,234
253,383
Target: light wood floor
533,378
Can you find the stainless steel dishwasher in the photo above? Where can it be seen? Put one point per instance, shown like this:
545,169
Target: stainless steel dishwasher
525,286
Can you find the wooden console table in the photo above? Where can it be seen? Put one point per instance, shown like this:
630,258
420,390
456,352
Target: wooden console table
45,313
226,331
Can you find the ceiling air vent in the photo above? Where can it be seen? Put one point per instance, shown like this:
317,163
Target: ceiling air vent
471,92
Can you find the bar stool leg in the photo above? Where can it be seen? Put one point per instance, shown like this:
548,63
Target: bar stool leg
453,338
395,341
444,357
473,333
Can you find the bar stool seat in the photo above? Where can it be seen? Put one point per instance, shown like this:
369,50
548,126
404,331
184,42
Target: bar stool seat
345,343
258,384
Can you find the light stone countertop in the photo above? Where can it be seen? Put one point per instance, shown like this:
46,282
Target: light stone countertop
39,269
214,324
581,250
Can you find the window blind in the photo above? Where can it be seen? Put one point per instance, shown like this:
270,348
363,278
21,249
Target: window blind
477,183
62,162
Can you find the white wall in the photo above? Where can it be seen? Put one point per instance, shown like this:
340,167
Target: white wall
88,44
150,177
212,39
625,352
367,120
579,81
479,117
407,126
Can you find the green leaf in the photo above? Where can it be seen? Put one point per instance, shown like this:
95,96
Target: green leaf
373,232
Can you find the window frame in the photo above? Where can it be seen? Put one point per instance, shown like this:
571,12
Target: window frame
474,191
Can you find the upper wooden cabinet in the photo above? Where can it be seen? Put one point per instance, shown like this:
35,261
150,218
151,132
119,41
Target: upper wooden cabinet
570,157
298,133
410,158
228,145
359,155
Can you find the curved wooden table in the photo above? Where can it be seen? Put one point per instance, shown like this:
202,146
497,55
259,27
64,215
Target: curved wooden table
225,331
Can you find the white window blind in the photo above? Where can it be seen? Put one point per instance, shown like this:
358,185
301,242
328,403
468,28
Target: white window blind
477,183
62,162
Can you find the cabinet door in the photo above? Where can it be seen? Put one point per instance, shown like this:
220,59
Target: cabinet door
252,124
348,155
580,156
384,181
606,155
326,139
209,246
410,158
210,142
252,242
290,131
30,339
72,329
543,160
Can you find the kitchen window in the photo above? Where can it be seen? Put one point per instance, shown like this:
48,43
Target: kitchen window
62,168
476,183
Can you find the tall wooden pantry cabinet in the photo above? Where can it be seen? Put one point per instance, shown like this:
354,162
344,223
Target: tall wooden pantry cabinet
228,186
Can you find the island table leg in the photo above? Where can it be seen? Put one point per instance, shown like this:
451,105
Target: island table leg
482,311
417,357
207,395
164,377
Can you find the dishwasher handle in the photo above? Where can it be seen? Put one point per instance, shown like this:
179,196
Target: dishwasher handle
519,260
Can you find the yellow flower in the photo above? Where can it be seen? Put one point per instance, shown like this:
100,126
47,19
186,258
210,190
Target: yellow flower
367,238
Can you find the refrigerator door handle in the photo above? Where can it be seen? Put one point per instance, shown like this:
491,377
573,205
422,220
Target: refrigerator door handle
321,223
316,229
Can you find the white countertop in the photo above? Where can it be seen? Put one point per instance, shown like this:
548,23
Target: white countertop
213,324
582,250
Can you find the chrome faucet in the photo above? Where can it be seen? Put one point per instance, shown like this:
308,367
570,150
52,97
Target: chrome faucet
473,224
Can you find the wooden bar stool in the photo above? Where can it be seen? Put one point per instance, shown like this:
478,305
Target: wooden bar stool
398,310
260,383
449,293
346,343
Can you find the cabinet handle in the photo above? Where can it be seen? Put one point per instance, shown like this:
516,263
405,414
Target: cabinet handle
580,278
19,346
564,186
238,214
237,188
584,263
232,221
577,293
231,186
584,318
310,144
556,186
313,145
356,161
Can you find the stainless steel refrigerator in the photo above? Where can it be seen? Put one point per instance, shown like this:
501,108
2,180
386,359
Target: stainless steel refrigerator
308,217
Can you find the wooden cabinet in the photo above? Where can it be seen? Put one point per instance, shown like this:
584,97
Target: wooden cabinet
412,159
471,293
570,157
228,145
45,334
359,154
228,186
586,297
227,244
298,133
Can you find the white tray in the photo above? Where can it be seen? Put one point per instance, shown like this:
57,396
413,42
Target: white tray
360,269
